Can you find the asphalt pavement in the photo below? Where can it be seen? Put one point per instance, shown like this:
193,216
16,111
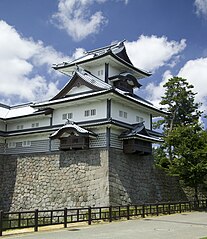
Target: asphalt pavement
176,226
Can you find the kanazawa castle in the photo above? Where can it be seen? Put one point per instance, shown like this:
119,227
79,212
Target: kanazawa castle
90,144
97,108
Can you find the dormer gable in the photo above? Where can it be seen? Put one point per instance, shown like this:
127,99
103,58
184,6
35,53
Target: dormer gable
81,82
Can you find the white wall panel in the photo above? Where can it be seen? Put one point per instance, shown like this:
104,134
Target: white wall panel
131,114
27,123
78,112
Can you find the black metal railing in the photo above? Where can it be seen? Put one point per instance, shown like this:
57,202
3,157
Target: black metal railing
37,218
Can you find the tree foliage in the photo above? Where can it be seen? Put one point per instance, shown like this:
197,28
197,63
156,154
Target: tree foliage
184,151
189,155
179,100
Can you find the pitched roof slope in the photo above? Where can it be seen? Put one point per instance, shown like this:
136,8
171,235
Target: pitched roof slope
117,51
85,78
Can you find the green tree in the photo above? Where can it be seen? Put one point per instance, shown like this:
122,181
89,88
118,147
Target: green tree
183,151
179,100
190,155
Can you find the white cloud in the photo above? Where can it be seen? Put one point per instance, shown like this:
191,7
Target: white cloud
151,52
201,8
21,61
195,71
75,17
155,92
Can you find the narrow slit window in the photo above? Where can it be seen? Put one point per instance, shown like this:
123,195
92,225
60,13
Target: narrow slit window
93,112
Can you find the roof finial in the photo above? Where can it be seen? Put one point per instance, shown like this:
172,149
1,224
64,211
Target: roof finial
69,122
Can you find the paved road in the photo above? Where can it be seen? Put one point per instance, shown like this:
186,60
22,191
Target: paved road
178,226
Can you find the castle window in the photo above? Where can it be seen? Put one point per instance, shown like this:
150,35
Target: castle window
87,113
123,114
12,145
34,125
67,116
100,72
93,112
26,143
139,119
20,126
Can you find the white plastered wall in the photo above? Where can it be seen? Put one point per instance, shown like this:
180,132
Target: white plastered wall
27,122
2,126
31,137
131,114
78,90
78,112
98,71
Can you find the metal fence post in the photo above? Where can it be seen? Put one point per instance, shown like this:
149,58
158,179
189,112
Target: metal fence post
1,222
36,220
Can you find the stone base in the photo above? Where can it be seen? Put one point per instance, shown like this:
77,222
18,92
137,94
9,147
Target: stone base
94,177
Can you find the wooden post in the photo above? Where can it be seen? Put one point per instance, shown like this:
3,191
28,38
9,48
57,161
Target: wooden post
169,208
65,217
19,219
143,211
128,212
157,209
180,207
1,222
110,213
89,216
51,217
190,206
36,220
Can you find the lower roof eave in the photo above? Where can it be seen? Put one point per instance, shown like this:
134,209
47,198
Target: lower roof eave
143,137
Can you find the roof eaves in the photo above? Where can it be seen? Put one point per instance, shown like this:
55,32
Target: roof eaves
70,99
145,73
140,101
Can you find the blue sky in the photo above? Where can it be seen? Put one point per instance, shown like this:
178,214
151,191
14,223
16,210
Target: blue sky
167,38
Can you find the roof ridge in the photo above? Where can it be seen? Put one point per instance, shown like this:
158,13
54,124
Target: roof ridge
105,47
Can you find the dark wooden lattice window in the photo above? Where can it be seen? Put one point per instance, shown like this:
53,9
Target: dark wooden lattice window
74,142
138,146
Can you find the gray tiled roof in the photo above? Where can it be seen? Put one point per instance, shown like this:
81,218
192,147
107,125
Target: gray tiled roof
91,79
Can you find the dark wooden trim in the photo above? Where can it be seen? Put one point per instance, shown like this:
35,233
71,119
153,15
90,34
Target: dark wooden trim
106,72
108,108
108,137
131,146
150,121
74,142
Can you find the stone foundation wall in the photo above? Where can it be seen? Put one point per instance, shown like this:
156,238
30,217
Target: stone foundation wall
82,178
46,181
1,179
134,179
